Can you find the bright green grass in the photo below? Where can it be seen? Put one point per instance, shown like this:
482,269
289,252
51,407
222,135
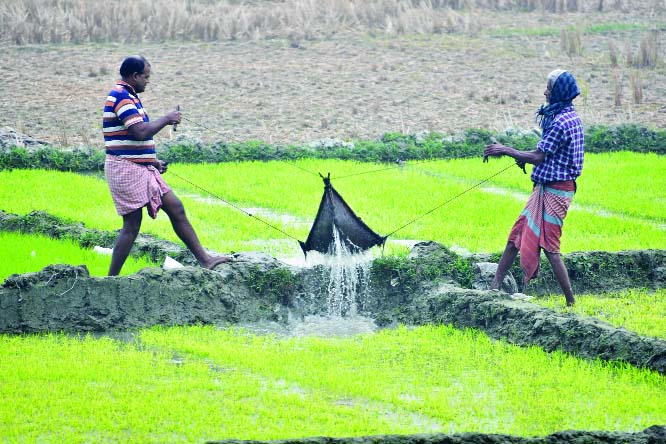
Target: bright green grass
191,384
87,199
641,311
29,253
60,389
622,183
621,203
461,380
620,214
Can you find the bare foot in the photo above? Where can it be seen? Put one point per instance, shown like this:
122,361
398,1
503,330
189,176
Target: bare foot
214,261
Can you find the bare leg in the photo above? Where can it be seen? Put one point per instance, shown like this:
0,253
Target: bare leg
509,255
174,208
125,240
562,276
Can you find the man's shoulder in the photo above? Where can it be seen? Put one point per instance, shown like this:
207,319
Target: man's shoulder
567,117
119,91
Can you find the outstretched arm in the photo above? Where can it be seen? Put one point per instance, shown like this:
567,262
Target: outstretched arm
522,157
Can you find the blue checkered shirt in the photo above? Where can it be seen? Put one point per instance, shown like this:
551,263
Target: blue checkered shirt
563,143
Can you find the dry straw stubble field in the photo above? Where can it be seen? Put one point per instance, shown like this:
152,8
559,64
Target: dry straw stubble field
297,71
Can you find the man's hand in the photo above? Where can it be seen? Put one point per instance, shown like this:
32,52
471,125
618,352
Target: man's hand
173,117
146,130
175,125
521,165
494,150
161,166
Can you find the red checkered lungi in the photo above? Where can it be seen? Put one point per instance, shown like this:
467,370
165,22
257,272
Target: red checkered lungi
134,186
540,223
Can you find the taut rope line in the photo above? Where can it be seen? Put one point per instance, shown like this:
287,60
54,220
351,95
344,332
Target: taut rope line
450,200
400,165
232,205
222,133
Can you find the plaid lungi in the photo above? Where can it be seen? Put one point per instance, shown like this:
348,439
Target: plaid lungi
540,223
134,186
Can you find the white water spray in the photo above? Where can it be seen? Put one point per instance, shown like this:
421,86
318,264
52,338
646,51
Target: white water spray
346,274
349,277
345,284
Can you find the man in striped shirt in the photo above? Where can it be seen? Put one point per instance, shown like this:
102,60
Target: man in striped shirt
133,171
558,161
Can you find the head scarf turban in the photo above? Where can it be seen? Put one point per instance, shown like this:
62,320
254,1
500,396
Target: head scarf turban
563,89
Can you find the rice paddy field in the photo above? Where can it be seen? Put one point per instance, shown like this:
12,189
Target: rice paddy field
197,383
189,384
611,211
299,71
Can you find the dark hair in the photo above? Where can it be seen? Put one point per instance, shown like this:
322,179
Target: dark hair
133,64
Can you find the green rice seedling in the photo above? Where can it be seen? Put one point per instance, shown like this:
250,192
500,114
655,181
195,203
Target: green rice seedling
87,199
625,183
190,384
456,380
57,388
29,253
631,184
641,311
71,196
444,201
478,221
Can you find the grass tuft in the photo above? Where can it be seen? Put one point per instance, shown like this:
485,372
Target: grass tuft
641,311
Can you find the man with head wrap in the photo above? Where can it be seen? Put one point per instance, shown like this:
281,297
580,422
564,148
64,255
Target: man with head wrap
558,161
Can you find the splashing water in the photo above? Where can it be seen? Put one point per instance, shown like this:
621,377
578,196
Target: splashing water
349,277
345,284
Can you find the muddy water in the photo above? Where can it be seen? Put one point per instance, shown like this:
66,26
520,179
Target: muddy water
315,325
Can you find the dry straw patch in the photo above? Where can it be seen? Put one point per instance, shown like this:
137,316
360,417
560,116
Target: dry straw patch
40,21
77,21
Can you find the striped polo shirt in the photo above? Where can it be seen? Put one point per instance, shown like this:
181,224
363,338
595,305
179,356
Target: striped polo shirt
123,109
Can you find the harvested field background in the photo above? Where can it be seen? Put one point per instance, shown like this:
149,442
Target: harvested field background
328,76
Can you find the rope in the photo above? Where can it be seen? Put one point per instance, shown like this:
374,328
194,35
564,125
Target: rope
401,164
302,169
232,205
222,133
451,199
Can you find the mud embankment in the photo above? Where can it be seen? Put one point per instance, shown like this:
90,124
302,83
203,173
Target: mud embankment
651,435
433,285
590,272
